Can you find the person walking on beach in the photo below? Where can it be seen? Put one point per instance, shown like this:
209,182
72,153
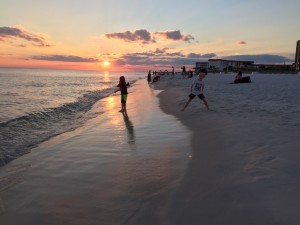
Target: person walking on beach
183,73
173,72
149,76
197,90
123,88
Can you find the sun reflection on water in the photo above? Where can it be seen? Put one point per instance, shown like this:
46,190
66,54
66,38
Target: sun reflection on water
106,77
119,122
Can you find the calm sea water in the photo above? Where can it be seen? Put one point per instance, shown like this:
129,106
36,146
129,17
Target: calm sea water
37,104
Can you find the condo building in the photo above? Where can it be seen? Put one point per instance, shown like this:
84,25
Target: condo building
223,63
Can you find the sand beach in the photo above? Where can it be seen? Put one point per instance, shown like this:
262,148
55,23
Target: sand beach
244,167
238,164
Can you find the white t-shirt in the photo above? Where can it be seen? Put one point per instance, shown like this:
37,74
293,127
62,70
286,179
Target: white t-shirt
197,87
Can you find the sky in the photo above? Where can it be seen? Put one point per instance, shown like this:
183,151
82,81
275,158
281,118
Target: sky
140,35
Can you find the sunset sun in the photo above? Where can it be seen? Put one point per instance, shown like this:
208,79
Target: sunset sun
106,63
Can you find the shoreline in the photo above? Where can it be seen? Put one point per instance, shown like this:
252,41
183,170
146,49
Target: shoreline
114,169
50,113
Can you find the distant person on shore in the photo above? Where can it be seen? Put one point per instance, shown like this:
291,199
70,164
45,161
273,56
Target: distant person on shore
123,88
183,73
149,76
156,77
173,72
239,76
197,88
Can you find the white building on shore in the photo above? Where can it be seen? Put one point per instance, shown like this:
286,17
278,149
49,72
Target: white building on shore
221,64
201,66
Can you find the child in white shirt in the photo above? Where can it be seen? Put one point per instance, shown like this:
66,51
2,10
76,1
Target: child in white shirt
197,90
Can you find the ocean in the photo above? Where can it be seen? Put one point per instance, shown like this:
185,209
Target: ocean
37,104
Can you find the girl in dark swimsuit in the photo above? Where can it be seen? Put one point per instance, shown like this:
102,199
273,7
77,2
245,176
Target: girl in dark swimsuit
123,88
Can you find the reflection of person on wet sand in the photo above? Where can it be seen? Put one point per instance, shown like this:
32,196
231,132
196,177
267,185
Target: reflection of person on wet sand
129,126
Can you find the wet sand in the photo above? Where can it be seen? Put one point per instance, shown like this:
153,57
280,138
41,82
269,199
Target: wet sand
115,169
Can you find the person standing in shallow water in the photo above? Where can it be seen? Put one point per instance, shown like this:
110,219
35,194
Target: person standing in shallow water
124,93
197,90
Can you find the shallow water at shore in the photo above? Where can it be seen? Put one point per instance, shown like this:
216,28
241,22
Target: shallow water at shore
37,104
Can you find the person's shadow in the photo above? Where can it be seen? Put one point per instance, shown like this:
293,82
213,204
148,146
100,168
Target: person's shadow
129,126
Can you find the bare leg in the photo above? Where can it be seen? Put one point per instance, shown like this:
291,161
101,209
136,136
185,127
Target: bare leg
205,103
123,108
124,113
186,104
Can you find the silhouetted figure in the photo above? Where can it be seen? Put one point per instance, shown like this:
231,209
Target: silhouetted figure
149,76
123,88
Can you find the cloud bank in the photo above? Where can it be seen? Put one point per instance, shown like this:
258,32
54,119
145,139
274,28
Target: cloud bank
161,58
261,58
175,35
146,37
64,58
139,35
11,33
